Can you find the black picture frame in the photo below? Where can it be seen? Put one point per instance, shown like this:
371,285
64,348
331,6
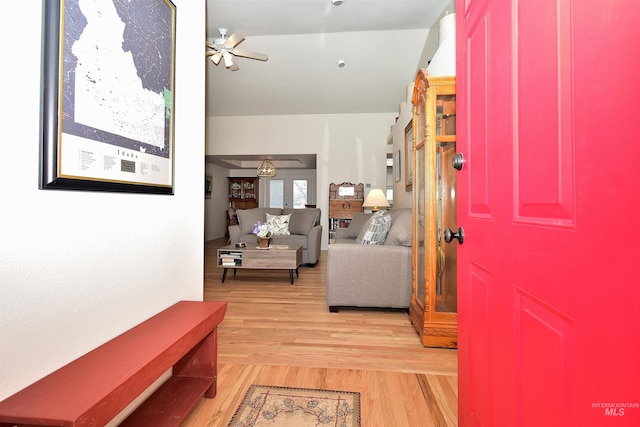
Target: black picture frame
107,112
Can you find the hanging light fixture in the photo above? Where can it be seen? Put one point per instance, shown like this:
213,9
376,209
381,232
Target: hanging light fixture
266,168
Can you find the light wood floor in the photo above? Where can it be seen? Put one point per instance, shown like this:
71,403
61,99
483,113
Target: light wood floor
275,333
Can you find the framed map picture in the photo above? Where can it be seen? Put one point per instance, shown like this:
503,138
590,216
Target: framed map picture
108,95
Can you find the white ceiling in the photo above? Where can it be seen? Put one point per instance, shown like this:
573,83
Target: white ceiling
381,41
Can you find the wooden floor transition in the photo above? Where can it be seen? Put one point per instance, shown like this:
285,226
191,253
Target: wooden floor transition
280,334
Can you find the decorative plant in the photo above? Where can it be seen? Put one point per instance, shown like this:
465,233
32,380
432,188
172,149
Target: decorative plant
262,229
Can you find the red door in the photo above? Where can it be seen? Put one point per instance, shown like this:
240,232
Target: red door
549,272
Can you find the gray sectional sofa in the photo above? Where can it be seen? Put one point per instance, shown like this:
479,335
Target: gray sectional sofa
304,228
360,275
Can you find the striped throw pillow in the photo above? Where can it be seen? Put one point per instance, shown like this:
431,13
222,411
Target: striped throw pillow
375,230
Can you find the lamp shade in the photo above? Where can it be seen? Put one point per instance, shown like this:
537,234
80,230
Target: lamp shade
266,168
376,200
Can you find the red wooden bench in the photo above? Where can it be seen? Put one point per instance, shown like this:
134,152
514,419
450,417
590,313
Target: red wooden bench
96,387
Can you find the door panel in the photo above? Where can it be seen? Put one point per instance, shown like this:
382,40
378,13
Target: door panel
544,154
545,369
548,295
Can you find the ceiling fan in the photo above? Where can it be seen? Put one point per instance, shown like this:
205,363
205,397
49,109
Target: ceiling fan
225,48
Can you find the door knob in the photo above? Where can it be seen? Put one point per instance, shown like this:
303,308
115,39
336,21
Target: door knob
449,235
458,161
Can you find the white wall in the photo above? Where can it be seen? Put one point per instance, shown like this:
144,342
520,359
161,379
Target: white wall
401,197
442,57
349,147
215,222
78,268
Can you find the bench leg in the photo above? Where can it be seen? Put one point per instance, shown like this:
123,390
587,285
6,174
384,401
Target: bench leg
224,274
291,275
202,362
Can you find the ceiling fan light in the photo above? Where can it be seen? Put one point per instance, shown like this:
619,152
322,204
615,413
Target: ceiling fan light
266,168
215,58
228,59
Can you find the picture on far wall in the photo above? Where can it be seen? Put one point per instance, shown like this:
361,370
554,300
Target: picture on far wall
396,166
208,185
408,156
108,96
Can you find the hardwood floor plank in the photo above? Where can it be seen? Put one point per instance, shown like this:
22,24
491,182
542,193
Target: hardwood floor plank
275,333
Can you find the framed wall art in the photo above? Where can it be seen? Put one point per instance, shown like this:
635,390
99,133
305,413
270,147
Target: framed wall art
408,156
208,185
108,79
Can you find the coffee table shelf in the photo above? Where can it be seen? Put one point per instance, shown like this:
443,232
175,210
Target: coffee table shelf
280,257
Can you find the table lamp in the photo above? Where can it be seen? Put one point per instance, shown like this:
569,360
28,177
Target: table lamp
376,200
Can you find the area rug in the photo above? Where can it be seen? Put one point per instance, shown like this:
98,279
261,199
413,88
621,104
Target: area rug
297,407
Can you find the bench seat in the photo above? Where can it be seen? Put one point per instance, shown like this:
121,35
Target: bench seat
97,386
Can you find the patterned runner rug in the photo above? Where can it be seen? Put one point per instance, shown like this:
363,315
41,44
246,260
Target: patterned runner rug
297,407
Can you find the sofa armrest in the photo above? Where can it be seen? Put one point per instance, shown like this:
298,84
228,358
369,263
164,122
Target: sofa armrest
234,234
368,275
343,233
314,241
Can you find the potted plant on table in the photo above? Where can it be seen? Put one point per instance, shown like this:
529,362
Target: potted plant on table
263,232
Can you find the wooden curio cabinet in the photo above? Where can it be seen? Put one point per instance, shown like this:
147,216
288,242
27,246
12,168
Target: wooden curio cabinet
243,193
434,303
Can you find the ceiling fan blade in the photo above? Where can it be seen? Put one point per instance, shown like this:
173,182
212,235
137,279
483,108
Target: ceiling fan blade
233,41
251,55
216,57
234,67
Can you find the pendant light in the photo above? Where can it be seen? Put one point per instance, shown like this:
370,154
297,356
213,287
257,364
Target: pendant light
266,168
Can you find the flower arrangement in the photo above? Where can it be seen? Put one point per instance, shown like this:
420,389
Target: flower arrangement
262,229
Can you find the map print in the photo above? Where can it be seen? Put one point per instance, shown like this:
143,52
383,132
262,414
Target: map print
117,81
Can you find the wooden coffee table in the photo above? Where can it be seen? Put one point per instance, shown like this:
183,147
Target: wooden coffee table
276,257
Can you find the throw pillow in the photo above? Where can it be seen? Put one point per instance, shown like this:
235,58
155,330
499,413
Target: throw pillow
375,230
279,224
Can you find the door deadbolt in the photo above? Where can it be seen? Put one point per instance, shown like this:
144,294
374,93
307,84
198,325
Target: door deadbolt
458,161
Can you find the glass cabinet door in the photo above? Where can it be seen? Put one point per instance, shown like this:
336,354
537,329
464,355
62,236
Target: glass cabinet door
446,253
421,218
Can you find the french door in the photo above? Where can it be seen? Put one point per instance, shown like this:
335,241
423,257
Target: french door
289,189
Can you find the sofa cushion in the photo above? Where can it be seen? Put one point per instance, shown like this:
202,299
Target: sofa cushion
291,240
376,229
247,218
400,233
279,224
302,220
